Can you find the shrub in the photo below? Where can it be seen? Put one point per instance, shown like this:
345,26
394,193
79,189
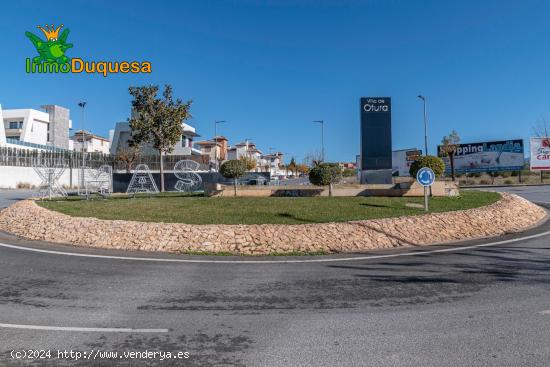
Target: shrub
325,174
24,185
474,174
508,181
485,181
348,172
233,169
466,182
430,161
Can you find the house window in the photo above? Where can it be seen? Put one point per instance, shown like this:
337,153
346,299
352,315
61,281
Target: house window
16,124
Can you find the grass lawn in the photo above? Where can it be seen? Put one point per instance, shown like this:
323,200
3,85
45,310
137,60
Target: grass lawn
202,210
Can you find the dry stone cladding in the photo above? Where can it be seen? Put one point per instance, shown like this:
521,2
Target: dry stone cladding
510,214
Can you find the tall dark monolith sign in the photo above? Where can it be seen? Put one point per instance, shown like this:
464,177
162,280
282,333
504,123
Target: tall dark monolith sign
376,164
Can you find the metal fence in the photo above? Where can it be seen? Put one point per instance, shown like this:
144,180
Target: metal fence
10,156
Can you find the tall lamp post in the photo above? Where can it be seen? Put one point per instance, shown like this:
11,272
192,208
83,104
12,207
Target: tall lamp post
322,122
82,105
216,141
425,125
270,159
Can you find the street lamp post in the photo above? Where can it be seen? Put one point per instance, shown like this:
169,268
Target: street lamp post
216,141
82,105
271,159
425,125
322,122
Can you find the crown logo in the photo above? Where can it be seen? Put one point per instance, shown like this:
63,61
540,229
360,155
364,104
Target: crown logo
51,33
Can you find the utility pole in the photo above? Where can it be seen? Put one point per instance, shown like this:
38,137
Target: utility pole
322,122
82,105
216,142
425,125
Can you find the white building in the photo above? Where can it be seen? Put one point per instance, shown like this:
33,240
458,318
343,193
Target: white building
32,128
122,135
90,142
274,162
244,149
264,163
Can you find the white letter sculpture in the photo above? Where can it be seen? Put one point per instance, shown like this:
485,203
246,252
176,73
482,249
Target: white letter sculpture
188,179
98,181
142,181
49,173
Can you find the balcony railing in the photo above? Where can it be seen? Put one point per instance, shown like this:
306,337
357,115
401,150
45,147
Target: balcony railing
34,145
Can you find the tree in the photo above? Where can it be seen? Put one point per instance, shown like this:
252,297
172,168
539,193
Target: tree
325,174
292,166
435,163
157,121
128,156
541,129
234,169
313,159
249,162
449,146
302,168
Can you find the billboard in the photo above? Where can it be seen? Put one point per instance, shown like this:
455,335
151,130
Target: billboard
540,153
402,160
505,155
375,133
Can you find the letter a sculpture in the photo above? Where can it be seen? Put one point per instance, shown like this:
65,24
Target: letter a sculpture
188,179
142,181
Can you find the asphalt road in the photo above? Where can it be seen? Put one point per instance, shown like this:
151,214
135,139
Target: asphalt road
534,193
8,197
479,306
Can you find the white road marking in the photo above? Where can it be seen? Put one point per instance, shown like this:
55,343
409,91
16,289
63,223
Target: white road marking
82,329
321,260
545,312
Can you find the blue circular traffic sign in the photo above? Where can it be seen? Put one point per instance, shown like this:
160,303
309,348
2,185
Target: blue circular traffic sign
425,176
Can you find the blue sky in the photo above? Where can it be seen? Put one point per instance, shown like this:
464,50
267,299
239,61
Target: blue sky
271,67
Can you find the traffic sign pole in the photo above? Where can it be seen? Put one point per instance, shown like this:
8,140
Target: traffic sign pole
426,177
426,198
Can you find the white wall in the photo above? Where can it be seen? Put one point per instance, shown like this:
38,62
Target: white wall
2,131
10,176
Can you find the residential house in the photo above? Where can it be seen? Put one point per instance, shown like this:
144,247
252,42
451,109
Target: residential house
122,135
90,142
31,128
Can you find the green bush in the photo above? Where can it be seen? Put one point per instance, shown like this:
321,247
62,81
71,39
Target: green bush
325,174
508,181
348,172
430,161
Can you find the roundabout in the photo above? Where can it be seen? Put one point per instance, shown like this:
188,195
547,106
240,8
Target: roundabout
508,214
481,302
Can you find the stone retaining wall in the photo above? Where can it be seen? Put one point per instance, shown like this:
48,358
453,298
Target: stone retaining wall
439,188
510,214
